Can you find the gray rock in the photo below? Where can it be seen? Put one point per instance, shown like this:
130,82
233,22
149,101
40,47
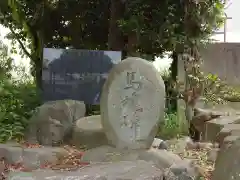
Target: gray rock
213,127
35,157
212,154
181,144
30,157
124,170
88,132
161,158
14,154
159,144
109,154
228,162
201,116
185,168
169,175
132,104
53,122
228,130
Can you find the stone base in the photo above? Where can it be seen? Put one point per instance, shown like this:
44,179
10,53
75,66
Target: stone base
162,159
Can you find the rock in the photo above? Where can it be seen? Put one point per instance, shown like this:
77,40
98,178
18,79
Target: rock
127,170
110,154
200,117
88,132
2,168
212,154
159,144
181,144
77,109
228,141
214,126
183,170
204,145
11,154
228,162
35,157
30,157
132,104
228,130
161,158
53,122
190,144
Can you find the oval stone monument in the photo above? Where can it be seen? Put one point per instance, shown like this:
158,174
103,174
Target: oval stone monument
132,104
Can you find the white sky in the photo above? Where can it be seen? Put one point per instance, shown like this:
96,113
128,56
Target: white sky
233,32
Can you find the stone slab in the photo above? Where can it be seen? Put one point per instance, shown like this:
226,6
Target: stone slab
134,170
228,130
161,158
30,157
132,104
88,132
213,127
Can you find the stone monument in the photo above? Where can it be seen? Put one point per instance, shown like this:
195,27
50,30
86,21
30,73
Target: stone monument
132,104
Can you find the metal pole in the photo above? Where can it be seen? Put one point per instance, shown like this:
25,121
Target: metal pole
225,28
225,24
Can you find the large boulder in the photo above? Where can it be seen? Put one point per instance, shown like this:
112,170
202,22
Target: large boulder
88,132
52,123
228,162
132,104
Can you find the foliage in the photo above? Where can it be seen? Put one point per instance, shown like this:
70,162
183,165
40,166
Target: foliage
172,126
5,60
146,27
17,102
18,98
218,91
194,20
151,27
162,65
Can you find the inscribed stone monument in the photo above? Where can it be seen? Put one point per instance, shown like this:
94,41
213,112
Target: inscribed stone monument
132,104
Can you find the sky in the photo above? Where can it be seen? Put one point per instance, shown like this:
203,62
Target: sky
233,33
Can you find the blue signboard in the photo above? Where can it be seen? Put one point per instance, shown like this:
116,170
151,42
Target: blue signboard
76,74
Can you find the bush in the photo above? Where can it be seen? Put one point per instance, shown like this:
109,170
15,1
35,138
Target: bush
18,100
172,127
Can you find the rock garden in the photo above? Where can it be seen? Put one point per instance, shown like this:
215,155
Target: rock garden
147,125
62,143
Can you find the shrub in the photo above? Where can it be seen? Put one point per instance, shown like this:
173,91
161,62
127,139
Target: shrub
18,100
172,127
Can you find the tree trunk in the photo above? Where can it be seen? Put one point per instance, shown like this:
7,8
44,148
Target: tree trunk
174,67
38,75
173,80
115,36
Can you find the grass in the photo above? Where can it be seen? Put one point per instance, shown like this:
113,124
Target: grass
172,127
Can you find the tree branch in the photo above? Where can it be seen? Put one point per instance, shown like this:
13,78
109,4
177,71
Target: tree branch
21,44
